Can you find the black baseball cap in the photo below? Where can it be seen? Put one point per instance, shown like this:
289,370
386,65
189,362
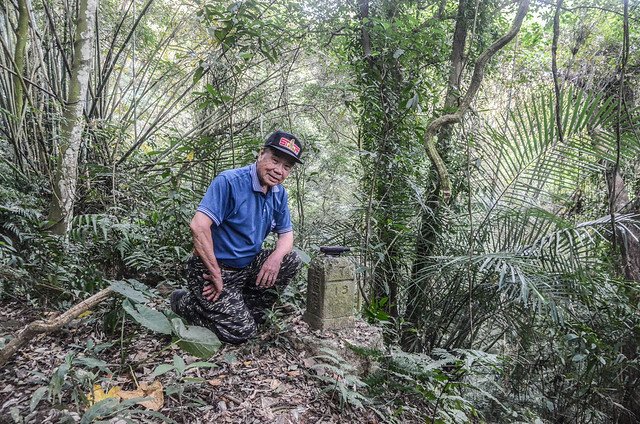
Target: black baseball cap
286,143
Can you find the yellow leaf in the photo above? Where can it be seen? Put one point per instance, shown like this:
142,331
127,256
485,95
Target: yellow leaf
114,392
85,314
97,394
191,155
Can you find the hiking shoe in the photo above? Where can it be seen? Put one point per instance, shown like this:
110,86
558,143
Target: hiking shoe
175,298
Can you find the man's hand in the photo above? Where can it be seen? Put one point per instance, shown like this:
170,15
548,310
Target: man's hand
203,247
212,291
269,271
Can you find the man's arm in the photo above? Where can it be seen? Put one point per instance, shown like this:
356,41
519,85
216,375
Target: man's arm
271,267
203,246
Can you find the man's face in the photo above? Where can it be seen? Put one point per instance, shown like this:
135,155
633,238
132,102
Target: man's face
273,167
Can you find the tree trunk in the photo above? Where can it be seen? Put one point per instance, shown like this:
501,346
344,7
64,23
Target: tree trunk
629,244
19,61
444,121
22,34
66,174
382,134
457,57
628,253
431,219
437,153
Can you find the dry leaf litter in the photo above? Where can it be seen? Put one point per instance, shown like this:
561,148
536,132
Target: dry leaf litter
268,380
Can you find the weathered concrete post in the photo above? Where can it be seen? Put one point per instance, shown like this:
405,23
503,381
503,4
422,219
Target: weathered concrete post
331,291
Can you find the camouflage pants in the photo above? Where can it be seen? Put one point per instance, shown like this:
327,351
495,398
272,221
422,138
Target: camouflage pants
235,315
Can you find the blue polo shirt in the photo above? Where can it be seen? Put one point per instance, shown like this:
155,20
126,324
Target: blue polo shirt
243,215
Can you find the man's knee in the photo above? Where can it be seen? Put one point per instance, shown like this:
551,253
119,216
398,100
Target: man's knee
236,332
291,263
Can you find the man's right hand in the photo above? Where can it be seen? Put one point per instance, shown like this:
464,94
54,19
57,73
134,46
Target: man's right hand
212,291
203,247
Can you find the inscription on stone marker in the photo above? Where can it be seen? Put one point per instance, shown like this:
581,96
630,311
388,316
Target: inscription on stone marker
331,293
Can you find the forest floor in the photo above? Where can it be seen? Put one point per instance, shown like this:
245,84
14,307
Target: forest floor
269,380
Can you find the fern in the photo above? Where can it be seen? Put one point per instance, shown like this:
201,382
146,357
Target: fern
340,379
95,225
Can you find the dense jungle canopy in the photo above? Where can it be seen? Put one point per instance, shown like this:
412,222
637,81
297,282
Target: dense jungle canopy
481,158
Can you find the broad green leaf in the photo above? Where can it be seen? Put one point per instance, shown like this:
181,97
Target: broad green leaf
197,75
37,397
162,369
198,341
147,317
212,91
578,357
179,364
101,409
57,380
125,289
90,363
174,389
304,257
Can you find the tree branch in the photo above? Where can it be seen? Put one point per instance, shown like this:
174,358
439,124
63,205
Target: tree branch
38,327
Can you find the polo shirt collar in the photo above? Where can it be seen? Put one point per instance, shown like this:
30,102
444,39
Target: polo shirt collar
255,181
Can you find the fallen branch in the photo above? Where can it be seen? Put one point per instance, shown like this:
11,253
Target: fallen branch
51,325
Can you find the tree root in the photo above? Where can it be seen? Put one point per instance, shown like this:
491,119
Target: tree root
51,325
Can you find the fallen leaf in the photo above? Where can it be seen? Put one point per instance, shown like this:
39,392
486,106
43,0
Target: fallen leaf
97,394
140,356
247,363
294,373
85,314
153,390
215,382
267,402
130,394
275,384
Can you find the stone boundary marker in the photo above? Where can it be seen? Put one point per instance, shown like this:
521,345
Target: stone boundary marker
331,293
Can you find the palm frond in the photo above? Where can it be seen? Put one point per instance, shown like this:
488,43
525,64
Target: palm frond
518,243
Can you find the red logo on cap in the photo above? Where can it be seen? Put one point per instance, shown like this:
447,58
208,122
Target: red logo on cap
290,144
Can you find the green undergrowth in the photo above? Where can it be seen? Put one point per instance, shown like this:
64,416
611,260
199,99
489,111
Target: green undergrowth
457,386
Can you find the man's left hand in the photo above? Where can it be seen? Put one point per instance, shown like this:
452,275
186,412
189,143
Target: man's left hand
269,272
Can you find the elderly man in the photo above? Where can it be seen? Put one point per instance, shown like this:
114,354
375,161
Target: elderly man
230,277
